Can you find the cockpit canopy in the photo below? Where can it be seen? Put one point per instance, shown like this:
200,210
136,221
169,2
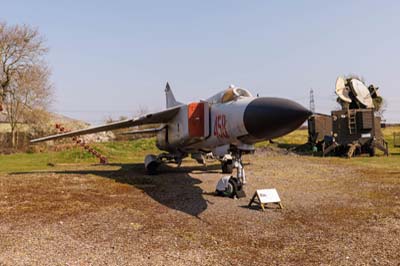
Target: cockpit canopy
231,94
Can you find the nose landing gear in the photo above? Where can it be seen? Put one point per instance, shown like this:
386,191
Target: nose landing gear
232,186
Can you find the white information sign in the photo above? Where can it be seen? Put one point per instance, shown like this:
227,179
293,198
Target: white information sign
366,135
268,196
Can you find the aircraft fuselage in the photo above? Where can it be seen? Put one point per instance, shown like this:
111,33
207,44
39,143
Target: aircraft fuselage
215,127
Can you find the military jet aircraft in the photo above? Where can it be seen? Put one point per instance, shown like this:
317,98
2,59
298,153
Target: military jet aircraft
224,126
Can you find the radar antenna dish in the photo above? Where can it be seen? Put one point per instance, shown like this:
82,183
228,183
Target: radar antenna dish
362,93
342,91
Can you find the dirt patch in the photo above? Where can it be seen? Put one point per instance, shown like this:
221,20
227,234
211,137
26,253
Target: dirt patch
335,214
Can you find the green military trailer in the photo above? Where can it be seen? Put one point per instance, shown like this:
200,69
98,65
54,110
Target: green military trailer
319,126
355,131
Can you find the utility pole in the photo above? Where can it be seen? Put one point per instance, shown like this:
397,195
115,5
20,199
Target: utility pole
312,101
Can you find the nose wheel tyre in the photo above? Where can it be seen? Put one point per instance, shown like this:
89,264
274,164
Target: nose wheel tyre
232,188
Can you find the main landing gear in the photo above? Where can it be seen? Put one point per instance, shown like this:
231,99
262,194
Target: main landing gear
152,162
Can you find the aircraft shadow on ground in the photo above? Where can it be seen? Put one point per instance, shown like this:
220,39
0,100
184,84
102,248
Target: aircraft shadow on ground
173,187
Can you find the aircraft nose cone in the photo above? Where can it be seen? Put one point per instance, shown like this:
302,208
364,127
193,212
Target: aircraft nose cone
268,118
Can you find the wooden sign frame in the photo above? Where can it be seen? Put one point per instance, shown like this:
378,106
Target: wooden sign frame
257,199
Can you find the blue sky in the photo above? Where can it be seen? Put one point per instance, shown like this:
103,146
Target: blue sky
110,58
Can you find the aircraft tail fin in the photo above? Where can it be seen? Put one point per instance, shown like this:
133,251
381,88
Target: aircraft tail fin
171,102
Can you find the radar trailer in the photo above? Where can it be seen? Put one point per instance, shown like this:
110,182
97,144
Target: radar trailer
356,128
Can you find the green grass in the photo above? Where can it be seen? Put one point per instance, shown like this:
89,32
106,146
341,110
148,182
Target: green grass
135,151
116,152
294,139
299,137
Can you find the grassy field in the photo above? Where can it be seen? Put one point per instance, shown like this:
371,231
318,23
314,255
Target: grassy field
121,152
299,137
135,151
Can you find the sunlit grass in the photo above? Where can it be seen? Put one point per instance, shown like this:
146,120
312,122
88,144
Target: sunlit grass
134,152
116,152
300,137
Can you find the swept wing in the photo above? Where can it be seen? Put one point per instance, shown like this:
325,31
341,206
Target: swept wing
152,118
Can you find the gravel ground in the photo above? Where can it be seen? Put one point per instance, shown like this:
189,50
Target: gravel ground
334,214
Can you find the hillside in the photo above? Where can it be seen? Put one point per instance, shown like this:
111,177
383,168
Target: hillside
55,118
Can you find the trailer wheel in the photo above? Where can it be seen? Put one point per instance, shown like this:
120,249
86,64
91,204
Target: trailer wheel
371,151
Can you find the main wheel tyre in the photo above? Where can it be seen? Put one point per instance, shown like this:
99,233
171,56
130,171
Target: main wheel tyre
151,164
227,167
151,169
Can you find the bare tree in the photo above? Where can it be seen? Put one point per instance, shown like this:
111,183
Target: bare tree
21,47
380,106
38,91
141,110
24,77
27,97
